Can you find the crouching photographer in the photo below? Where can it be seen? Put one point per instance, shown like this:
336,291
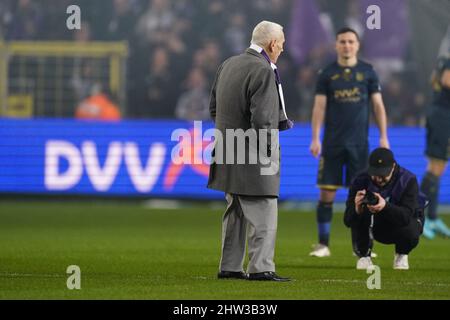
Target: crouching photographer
383,204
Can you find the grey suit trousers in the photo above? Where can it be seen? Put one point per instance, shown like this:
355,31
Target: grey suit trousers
254,217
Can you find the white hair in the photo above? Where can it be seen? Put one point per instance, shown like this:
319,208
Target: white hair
266,31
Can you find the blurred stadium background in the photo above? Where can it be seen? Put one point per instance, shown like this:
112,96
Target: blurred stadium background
139,69
154,60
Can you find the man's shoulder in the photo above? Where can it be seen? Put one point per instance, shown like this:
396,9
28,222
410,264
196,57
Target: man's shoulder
245,68
329,68
252,60
364,65
407,173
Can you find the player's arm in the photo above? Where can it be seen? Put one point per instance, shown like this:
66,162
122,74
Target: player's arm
380,117
318,115
445,79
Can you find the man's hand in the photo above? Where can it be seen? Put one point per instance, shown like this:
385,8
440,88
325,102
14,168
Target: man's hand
384,143
378,207
358,201
315,148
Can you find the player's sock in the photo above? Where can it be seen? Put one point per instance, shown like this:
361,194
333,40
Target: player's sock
430,187
324,216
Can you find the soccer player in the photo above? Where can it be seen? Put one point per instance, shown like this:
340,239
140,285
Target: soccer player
438,147
344,91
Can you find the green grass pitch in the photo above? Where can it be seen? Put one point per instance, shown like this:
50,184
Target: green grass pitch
126,251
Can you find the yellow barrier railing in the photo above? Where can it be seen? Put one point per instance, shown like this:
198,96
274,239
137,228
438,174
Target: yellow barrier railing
3,78
67,48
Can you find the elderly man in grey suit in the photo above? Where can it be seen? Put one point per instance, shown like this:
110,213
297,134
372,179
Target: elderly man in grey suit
247,107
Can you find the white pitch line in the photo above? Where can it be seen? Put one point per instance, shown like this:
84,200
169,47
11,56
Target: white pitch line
407,283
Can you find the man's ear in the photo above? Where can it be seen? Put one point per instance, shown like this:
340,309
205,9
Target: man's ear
272,45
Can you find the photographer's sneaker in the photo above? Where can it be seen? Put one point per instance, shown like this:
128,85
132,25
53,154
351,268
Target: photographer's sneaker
372,254
401,262
320,251
364,263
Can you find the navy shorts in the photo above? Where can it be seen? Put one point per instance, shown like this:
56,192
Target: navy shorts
338,166
438,134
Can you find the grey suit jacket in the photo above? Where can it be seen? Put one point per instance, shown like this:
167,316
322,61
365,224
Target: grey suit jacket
244,96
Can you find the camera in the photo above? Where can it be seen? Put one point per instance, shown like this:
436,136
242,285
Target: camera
370,199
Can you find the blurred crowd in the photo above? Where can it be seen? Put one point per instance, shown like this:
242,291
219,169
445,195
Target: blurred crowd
177,45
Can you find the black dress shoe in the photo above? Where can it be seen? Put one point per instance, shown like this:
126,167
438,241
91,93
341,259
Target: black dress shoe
267,276
232,275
